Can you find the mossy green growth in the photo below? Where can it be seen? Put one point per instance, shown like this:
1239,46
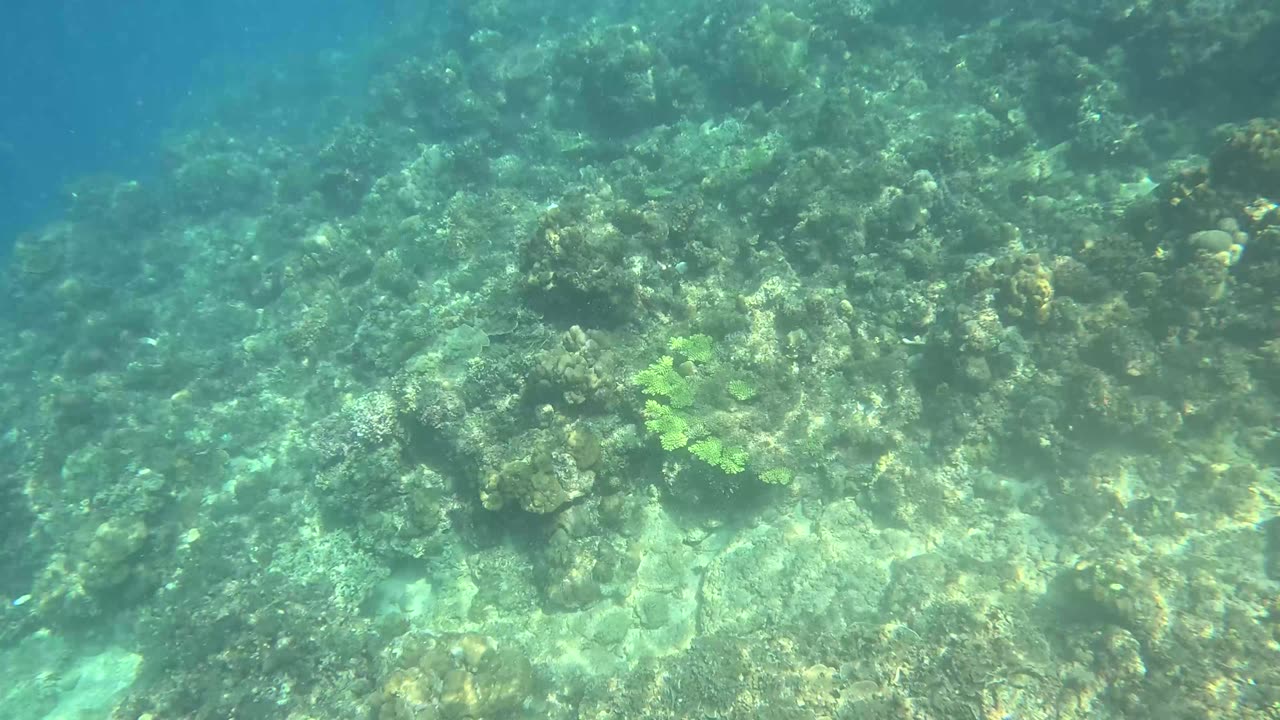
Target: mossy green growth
696,348
741,390
662,380
671,428
732,460
675,422
707,450
776,476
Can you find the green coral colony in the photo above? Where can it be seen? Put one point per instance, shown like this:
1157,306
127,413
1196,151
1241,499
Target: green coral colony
802,360
674,423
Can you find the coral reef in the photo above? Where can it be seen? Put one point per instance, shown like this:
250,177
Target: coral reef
806,359
454,677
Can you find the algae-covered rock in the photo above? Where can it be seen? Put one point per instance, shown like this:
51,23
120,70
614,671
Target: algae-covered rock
88,579
590,255
624,81
573,372
773,50
762,579
1027,290
556,468
591,555
1249,158
454,676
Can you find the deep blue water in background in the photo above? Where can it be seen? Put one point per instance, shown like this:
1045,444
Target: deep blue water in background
88,86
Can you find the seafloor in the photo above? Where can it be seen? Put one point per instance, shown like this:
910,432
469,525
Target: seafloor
797,360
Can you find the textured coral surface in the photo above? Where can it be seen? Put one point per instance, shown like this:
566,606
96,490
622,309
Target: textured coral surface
810,359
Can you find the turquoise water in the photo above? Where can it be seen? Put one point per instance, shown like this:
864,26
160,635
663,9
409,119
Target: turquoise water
97,88
822,359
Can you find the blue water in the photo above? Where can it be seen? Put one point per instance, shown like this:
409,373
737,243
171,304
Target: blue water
90,87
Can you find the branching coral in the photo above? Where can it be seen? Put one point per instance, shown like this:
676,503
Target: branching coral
672,429
677,423
732,460
661,379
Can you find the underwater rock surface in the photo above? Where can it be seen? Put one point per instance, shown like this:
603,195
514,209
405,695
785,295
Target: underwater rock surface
818,359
